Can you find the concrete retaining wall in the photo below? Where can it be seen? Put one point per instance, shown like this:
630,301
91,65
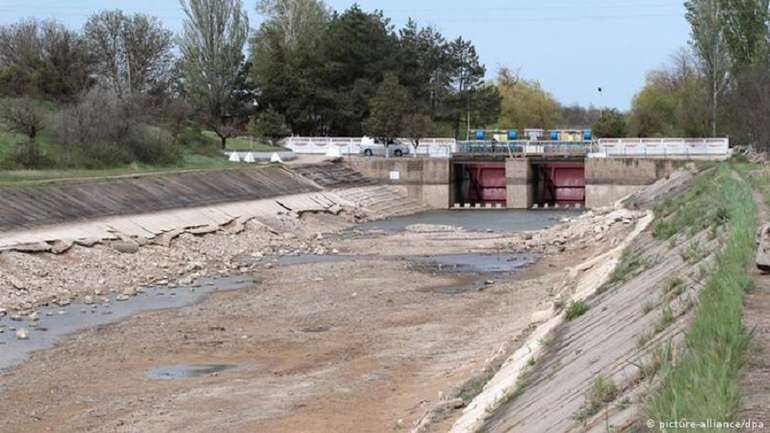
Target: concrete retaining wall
609,180
426,179
519,184
28,206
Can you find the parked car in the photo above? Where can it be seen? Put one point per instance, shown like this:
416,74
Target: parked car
373,147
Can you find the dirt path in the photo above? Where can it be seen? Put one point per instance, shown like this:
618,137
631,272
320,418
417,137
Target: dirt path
756,383
354,346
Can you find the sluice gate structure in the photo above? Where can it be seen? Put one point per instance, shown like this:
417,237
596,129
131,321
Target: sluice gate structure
539,174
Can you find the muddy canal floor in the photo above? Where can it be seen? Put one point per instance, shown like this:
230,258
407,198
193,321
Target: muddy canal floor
350,346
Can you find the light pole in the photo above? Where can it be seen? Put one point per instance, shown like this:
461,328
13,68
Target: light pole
601,106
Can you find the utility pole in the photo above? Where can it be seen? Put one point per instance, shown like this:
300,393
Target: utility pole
468,120
601,102
715,87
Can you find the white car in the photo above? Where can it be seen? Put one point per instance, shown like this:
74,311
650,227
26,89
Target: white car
373,147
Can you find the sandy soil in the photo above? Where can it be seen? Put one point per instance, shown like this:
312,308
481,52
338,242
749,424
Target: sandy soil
356,346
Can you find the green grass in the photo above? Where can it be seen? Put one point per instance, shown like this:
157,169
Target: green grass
691,212
576,309
191,160
632,263
661,358
674,288
694,253
705,383
204,155
189,163
666,319
603,391
243,143
647,307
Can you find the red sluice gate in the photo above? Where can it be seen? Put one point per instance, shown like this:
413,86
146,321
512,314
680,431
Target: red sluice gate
562,183
487,183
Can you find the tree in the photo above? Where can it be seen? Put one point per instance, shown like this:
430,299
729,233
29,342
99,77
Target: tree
674,102
470,100
611,124
270,126
212,65
132,52
43,59
575,116
417,126
102,129
288,65
23,117
707,38
425,68
524,103
358,49
467,74
388,109
176,114
652,113
745,27
748,108
299,22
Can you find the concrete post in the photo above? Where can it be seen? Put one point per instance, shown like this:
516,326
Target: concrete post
519,183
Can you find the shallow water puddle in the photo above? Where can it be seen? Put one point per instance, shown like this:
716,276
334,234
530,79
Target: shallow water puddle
499,221
478,263
460,263
187,371
58,322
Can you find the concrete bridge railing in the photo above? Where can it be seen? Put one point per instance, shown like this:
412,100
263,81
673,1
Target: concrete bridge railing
661,147
429,147
603,148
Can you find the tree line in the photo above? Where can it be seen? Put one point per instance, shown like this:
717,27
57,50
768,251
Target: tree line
310,71
717,86
124,88
353,73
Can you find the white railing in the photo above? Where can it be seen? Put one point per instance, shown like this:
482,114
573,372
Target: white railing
661,147
322,145
603,148
429,147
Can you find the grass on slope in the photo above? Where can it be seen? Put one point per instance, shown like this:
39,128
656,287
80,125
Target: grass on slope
243,143
705,383
698,208
190,162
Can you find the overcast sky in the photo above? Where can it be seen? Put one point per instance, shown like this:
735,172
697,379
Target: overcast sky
570,46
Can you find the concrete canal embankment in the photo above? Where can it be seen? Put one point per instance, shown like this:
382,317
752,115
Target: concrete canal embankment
61,202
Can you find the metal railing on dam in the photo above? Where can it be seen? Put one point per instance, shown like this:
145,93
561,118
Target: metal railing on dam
524,148
602,148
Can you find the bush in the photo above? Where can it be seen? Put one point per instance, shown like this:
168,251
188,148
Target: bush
26,156
153,146
193,139
269,126
103,130
576,309
603,391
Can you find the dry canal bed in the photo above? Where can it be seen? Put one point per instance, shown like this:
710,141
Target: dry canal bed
364,343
